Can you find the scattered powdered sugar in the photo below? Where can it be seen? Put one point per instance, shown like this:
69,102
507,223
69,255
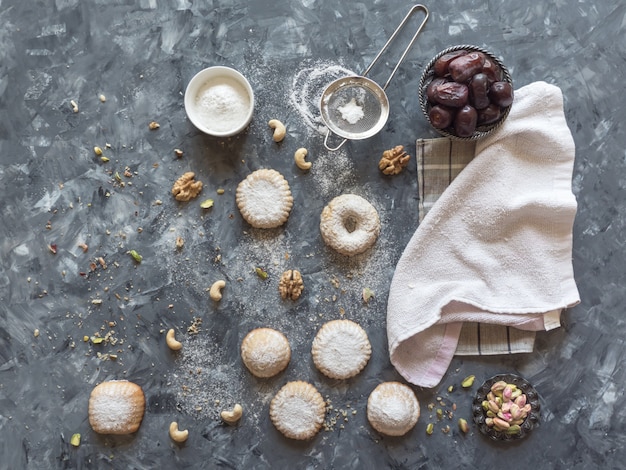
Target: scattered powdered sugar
205,383
222,104
351,112
209,377
332,173
307,89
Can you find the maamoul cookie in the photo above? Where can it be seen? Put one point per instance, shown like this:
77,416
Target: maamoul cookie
341,349
265,352
393,409
116,407
298,410
349,224
264,199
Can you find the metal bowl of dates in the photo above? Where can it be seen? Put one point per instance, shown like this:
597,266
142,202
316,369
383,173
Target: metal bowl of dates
506,408
466,92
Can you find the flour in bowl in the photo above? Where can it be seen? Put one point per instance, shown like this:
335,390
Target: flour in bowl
222,104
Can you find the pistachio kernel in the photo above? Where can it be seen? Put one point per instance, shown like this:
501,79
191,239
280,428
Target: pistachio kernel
207,204
463,426
468,381
136,256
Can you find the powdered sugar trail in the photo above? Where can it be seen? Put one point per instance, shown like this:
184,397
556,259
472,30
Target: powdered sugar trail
307,89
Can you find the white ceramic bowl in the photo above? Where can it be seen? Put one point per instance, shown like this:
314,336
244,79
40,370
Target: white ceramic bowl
219,101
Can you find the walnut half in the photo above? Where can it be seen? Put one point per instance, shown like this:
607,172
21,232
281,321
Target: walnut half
186,188
291,284
394,160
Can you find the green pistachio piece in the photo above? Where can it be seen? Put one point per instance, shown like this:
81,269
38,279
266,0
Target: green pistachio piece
136,256
207,204
463,426
468,381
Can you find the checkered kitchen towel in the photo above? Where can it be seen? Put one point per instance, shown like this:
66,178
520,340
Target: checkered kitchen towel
439,161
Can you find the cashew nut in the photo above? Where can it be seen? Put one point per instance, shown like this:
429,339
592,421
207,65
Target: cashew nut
299,158
176,435
215,292
232,416
279,129
171,340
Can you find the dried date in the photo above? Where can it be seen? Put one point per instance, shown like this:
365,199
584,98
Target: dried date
478,91
501,93
465,121
466,66
441,64
489,115
492,70
451,94
440,116
430,90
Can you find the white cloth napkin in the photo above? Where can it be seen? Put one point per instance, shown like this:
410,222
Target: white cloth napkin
496,247
439,162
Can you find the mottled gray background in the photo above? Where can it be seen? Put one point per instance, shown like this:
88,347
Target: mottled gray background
140,55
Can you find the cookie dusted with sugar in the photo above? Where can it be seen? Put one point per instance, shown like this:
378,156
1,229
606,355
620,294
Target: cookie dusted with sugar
393,409
298,410
265,352
116,407
349,224
264,199
341,349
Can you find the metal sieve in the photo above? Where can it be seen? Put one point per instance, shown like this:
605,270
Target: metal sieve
356,107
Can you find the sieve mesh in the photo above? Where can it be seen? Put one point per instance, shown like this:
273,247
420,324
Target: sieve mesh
354,107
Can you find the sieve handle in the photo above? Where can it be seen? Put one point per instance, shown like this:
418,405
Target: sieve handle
415,8
332,149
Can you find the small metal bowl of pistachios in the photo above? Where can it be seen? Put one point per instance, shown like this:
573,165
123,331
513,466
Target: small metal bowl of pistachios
506,408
